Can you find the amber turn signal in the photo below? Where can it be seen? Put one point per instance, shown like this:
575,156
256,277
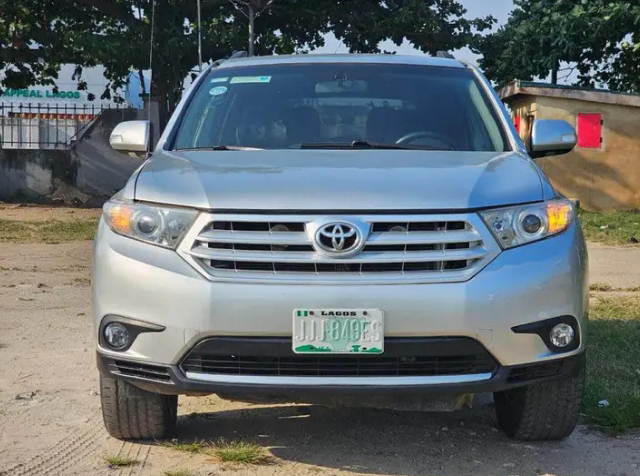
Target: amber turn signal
558,216
119,218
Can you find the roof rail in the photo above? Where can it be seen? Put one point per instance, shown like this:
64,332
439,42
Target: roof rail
444,54
234,55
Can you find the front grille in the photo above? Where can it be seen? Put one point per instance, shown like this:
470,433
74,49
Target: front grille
135,369
407,248
402,357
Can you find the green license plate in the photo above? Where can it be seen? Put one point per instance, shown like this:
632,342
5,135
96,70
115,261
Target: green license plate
338,331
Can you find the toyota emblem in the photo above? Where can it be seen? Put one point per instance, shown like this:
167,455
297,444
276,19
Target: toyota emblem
338,238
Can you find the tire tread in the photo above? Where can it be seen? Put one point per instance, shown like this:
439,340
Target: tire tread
131,413
543,411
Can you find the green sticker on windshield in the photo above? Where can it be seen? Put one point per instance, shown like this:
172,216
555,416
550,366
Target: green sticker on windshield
250,79
220,80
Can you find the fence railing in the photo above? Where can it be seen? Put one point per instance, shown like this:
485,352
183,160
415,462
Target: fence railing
44,126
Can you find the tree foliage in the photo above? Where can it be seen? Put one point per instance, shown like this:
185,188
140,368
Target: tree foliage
36,36
619,67
596,38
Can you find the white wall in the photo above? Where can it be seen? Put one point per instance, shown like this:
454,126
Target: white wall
96,83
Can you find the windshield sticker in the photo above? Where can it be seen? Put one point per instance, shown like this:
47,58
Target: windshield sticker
250,79
218,90
220,80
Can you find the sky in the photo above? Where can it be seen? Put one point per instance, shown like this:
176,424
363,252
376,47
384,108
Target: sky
475,8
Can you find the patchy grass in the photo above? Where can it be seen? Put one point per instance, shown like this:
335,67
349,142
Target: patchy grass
240,452
600,287
195,447
118,461
53,231
613,368
225,451
612,228
603,287
178,472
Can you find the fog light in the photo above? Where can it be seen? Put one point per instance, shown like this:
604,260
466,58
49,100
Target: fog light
116,335
562,335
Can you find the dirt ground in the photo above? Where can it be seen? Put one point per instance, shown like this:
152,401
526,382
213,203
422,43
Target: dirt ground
26,213
617,267
50,422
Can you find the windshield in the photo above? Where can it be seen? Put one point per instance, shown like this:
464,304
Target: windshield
280,106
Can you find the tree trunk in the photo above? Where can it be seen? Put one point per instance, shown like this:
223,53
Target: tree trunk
143,85
160,93
554,72
252,24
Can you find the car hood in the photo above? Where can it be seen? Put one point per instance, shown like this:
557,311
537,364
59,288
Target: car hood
335,180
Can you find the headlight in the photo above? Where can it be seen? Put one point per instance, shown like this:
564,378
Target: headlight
160,226
516,226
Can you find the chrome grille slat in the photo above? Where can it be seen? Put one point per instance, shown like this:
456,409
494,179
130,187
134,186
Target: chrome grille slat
364,257
425,237
249,237
400,248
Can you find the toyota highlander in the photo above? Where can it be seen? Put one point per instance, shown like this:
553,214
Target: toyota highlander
341,230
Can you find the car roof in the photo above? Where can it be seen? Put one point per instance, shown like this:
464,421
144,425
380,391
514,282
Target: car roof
422,60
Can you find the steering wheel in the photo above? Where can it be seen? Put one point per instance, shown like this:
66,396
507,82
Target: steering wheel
441,140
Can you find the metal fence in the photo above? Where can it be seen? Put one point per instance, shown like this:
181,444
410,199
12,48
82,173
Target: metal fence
45,126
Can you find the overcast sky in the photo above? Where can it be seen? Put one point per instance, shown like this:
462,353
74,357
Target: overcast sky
475,8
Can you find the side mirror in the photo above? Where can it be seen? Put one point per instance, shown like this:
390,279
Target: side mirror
131,137
552,137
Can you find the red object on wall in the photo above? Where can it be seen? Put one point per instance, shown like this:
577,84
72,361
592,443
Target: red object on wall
589,131
516,121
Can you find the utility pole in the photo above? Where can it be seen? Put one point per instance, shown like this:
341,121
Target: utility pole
252,10
252,29
199,39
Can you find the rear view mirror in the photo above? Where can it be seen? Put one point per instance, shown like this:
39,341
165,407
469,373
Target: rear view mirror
131,137
552,137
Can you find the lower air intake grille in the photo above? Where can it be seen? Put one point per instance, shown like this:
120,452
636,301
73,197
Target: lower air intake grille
402,357
134,369
534,372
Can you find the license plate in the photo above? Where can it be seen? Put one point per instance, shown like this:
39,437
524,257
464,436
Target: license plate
338,331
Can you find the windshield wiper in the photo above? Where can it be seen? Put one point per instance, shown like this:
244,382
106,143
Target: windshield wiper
220,147
360,144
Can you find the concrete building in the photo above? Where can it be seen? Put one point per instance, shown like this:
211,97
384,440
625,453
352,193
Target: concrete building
603,172
50,117
69,95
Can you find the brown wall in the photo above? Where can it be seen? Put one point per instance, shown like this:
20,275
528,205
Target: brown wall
603,179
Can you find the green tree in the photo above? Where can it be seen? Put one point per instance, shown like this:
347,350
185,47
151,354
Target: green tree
34,40
429,25
36,36
596,38
538,38
619,65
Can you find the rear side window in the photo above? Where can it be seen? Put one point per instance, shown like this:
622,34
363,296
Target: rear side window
280,106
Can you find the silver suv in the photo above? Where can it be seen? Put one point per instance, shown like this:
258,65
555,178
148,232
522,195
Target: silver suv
344,230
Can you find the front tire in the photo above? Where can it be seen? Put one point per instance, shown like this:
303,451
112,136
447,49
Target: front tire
130,413
542,411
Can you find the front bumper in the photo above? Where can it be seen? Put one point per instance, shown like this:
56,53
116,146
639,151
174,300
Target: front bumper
539,281
171,380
